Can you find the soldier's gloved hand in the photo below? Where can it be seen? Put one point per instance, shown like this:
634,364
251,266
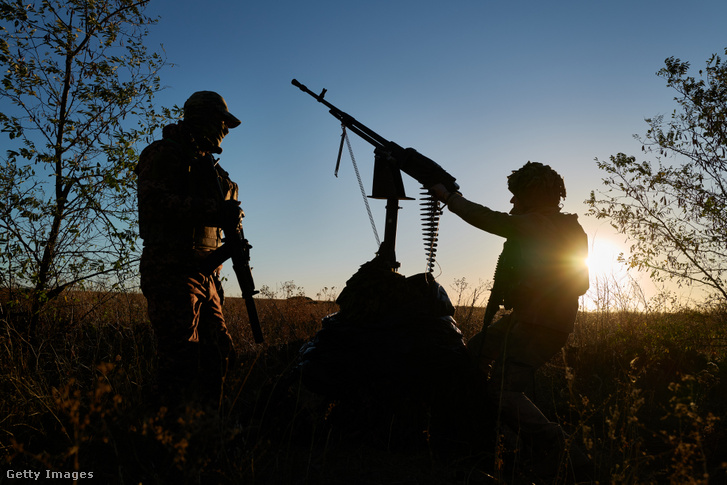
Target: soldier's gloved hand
440,192
232,214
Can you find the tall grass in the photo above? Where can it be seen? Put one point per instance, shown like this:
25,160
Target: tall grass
641,391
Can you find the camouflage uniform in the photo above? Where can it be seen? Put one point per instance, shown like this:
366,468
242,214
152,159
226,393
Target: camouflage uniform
549,274
180,213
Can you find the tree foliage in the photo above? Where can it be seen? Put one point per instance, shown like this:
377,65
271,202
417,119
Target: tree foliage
76,99
673,208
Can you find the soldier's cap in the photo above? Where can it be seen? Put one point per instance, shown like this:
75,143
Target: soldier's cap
209,103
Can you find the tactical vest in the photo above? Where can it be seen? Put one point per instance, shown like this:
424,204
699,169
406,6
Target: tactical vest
203,237
540,283
200,183
206,238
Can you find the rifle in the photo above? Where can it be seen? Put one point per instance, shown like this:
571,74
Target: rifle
237,248
387,178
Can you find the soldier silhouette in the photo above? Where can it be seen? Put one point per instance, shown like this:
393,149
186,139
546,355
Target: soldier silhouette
181,212
540,276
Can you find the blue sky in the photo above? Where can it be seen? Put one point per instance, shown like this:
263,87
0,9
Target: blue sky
479,86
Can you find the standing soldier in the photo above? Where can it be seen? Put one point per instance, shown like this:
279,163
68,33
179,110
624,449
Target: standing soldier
540,276
181,211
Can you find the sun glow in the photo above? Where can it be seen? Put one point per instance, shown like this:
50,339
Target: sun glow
603,260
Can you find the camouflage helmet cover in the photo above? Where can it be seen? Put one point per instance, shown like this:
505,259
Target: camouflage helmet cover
209,103
538,184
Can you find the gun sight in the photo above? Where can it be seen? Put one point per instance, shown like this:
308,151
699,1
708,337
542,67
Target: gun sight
304,88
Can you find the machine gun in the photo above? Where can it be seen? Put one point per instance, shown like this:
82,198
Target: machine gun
390,160
237,248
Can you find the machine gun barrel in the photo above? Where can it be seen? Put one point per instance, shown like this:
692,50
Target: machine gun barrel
424,170
349,121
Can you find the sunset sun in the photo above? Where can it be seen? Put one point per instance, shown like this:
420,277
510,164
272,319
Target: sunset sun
603,259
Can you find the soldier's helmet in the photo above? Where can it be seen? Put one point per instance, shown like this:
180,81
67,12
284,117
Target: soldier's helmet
205,104
537,184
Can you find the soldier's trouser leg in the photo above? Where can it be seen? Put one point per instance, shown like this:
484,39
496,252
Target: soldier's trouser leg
171,317
216,350
509,387
525,349
186,314
486,346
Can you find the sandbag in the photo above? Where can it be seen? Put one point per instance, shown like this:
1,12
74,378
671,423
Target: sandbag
391,332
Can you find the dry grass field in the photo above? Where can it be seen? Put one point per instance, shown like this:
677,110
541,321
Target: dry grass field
642,393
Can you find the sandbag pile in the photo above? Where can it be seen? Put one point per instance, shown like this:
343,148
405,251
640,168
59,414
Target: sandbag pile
392,332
